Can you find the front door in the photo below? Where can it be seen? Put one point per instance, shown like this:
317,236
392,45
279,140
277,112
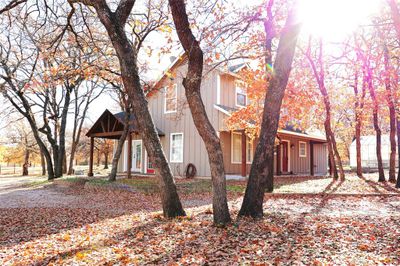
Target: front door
285,157
137,156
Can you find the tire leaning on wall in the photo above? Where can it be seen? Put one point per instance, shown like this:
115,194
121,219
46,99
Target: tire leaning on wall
190,171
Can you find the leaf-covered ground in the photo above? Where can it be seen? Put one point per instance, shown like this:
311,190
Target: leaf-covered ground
103,228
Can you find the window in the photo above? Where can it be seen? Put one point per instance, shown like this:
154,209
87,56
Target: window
170,104
302,149
241,97
176,149
236,148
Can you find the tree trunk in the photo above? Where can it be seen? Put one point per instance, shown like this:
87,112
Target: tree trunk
106,160
358,146
98,158
358,107
331,157
392,117
114,22
192,85
64,169
61,162
72,158
118,151
43,163
398,150
25,166
261,170
330,136
376,127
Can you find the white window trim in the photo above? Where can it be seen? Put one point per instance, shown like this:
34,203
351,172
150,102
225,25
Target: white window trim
252,149
289,148
170,147
305,149
133,169
236,93
218,89
145,161
165,100
125,168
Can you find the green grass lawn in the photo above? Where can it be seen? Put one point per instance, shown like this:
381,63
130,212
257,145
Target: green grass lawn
282,184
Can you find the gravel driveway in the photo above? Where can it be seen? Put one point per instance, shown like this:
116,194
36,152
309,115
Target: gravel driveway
19,192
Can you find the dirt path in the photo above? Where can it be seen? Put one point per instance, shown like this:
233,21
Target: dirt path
20,192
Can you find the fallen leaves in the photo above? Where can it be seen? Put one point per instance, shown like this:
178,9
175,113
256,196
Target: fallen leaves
127,229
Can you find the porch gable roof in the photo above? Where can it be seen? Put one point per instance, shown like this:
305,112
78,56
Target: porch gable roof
111,126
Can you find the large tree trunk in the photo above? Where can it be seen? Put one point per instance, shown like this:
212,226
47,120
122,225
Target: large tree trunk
192,84
118,151
392,117
114,22
261,167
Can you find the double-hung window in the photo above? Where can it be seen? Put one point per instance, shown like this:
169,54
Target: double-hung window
241,96
176,149
302,149
171,104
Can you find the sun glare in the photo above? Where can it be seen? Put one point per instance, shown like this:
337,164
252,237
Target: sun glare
335,19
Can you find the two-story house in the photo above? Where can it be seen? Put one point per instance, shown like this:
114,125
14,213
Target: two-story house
296,152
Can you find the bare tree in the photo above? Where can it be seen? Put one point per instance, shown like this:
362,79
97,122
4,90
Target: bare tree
81,104
317,66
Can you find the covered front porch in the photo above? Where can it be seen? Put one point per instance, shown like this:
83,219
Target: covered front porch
134,158
296,153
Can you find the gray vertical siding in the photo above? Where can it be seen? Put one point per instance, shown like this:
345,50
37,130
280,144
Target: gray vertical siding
193,147
297,164
181,122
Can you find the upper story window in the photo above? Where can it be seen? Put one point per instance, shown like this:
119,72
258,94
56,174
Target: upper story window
241,96
302,149
171,103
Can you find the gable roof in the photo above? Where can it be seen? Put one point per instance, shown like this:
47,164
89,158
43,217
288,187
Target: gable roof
182,58
110,126
237,68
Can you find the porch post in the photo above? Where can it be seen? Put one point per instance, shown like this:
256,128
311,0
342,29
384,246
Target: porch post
311,158
129,154
278,159
244,154
90,173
